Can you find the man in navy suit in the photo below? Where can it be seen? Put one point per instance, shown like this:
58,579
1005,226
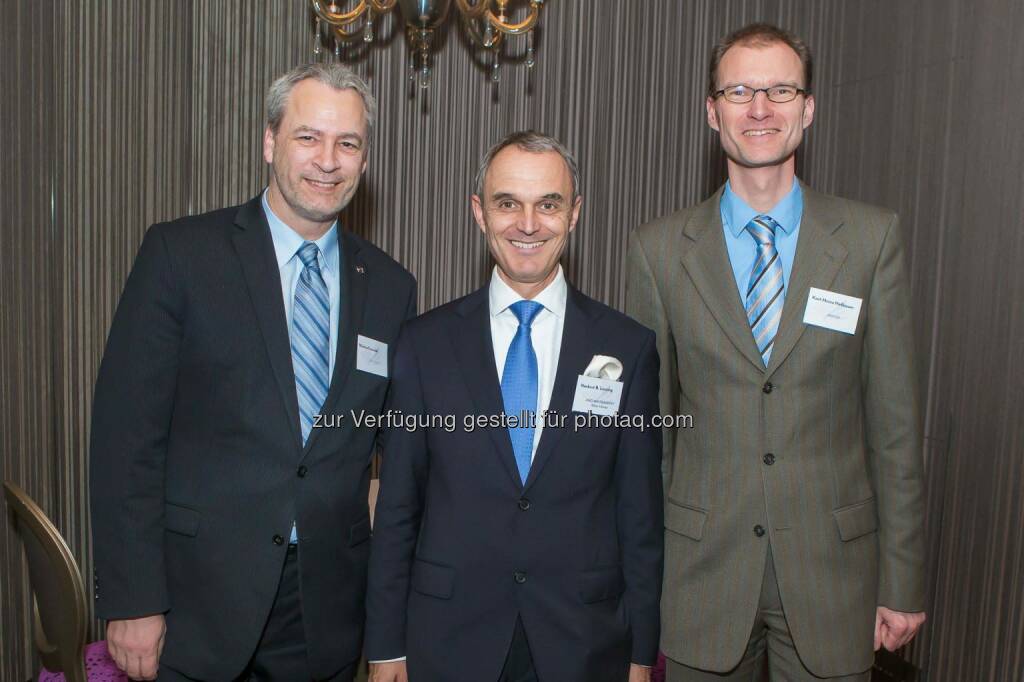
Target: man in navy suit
509,548
231,536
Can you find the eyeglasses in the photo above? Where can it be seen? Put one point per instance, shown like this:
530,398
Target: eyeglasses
742,94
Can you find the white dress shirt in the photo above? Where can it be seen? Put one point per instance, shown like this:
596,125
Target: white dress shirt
545,333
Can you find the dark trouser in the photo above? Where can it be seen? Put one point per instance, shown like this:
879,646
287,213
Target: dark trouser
519,662
280,655
770,638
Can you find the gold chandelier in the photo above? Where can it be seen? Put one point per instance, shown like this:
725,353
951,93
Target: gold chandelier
486,21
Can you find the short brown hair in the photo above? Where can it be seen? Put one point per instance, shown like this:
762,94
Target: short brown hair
759,35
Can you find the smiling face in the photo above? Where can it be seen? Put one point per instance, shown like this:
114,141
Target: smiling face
527,212
760,133
317,156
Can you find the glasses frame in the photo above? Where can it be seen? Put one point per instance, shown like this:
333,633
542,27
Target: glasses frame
799,91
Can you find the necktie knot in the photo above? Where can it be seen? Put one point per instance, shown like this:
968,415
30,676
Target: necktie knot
308,253
762,229
525,311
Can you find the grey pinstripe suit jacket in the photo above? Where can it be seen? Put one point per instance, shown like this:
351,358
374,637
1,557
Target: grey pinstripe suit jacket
842,501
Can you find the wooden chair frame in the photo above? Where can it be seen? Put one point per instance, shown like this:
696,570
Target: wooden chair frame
60,624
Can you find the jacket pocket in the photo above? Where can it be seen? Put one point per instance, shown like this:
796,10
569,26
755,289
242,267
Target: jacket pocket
685,520
359,532
433,580
856,520
598,584
181,520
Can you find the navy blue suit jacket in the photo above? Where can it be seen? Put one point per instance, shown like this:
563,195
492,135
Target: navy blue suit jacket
461,547
197,464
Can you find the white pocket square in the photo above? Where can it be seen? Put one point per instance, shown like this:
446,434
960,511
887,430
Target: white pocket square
604,367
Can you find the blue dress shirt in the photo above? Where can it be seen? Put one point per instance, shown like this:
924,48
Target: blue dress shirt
286,247
741,245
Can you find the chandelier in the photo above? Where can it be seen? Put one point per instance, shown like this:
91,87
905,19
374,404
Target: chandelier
486,21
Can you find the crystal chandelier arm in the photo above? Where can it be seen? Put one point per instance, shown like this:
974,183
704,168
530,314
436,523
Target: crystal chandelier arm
473,11
478,38
340,18
515,29
383,6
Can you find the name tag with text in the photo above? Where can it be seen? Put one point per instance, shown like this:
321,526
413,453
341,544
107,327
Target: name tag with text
372,356
830,310
600,396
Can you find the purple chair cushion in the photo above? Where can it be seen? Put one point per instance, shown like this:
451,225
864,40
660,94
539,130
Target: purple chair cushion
658,673
99,666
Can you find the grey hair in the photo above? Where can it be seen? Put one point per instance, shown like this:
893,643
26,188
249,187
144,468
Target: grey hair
529,141
337,76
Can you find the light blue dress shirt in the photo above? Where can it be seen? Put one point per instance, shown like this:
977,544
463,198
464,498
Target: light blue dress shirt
286,247
741,245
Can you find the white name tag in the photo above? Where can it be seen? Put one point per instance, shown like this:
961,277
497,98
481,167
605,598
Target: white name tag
600,396
830,310
372,356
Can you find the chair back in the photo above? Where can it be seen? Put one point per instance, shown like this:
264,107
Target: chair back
57,589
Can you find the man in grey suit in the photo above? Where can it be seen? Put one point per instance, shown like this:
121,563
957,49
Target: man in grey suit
793,509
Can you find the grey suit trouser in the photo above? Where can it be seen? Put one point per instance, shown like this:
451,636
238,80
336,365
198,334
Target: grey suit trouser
770,648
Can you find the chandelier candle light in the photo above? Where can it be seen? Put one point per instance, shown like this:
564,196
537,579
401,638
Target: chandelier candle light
486,21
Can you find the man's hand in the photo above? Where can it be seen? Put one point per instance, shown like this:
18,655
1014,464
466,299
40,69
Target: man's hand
894,629
135,645
639,673
388,672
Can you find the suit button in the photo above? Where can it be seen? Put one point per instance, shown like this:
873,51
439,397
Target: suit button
758,530
278,540
302,471
769,459
524,504
520,577
767,388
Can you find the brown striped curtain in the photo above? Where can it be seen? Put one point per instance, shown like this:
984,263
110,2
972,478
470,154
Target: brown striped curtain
119,113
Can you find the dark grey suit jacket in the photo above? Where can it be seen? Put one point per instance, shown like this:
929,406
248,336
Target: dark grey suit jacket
461,547
197,463
840,497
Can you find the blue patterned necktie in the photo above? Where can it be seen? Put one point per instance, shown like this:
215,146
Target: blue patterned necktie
766,292
519,384
310,339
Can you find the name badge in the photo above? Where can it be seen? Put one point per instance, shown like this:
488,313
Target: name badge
600,396
372,356
830,310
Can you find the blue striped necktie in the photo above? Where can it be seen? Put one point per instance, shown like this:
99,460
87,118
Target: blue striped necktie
310,339
519,384
766,291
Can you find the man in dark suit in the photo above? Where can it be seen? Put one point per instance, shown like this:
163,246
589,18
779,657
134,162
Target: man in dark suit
516,551
794,508
230,534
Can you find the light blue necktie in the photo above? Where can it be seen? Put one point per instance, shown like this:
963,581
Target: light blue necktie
311,319
766,292
519,384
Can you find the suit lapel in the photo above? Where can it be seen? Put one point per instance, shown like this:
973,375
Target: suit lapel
578,347
255,250
474,353
819,256
352,287
707,263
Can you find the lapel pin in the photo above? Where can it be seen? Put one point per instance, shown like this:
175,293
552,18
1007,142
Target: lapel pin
360,269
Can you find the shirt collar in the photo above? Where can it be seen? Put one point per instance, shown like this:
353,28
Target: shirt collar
786,213
287,241
501,295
